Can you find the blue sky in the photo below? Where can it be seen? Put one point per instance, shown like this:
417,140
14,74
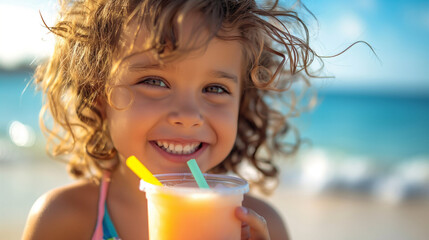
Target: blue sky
397,30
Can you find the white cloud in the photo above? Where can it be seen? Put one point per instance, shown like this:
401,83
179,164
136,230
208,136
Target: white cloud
22,34
351,26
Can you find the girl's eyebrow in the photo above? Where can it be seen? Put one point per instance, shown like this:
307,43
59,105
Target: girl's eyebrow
223,74
214,73
142,67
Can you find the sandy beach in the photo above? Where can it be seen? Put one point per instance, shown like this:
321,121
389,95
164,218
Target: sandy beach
308,216
350,216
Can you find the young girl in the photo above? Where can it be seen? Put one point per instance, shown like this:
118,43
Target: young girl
165,81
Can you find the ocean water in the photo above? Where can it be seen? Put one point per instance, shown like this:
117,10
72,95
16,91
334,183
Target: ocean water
385,127
17,101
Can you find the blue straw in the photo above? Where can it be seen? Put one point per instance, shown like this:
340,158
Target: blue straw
198,175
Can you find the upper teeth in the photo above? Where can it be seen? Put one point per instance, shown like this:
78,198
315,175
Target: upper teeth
177,148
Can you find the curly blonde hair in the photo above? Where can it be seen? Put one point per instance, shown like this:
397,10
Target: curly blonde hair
276,51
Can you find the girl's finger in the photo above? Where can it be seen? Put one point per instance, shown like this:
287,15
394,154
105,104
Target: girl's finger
245,231
257,223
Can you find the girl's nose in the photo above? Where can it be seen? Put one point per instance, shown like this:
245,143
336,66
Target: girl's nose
186,116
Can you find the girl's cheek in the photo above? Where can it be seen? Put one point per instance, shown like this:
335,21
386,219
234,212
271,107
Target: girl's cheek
120,97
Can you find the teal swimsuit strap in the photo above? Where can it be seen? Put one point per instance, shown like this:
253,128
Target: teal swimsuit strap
109,231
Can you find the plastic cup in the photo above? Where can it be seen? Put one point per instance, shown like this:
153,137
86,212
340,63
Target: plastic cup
181,210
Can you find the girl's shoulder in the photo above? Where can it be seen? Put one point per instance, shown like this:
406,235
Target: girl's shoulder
67,212
275,223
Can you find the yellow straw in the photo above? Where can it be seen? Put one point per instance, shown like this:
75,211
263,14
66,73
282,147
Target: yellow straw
141,171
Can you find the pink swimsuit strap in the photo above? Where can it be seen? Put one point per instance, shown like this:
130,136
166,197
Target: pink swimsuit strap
105,180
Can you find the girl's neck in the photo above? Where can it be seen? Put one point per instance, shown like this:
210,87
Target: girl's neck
125,184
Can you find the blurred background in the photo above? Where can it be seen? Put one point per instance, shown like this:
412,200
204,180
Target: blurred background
363,171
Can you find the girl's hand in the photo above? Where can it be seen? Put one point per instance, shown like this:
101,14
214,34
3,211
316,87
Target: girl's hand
253,225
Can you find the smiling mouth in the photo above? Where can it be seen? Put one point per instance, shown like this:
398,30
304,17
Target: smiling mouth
178,148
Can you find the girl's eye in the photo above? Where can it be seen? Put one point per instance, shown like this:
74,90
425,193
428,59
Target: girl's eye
215,89
153,81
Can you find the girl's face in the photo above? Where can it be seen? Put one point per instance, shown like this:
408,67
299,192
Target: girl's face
183,109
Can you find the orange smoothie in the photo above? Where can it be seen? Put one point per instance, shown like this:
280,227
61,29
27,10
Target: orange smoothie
180,210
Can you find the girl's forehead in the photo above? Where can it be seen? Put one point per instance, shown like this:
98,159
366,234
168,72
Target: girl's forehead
138,36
